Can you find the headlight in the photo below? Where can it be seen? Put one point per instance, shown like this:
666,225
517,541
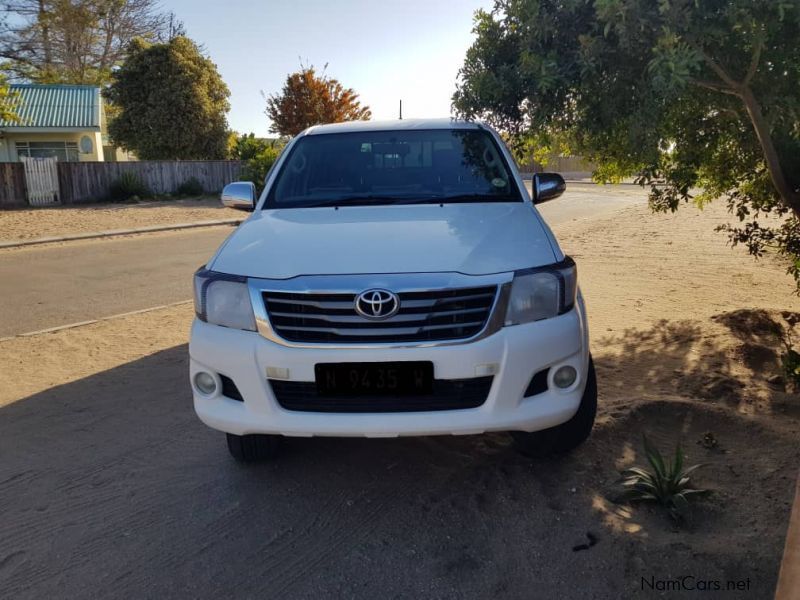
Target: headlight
542,293
223,299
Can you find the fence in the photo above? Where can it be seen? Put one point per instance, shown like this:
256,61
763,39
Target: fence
83,182
91,181
41,179
568,166
12,184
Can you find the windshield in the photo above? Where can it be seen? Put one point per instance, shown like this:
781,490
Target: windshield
393,167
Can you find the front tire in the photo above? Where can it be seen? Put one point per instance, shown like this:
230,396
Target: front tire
567,436
253,448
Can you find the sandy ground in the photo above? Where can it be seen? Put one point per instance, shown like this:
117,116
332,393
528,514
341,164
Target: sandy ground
31,223
111,488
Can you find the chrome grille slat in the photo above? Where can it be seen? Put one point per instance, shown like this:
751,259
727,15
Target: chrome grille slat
398,318
320,305
374,331
432,315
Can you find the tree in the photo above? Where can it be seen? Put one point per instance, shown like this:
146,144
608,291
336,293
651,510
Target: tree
257,156
7,102
171,103
683,94
246,146
308,99
255,168
76,41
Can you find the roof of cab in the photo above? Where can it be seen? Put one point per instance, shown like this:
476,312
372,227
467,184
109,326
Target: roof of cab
396,124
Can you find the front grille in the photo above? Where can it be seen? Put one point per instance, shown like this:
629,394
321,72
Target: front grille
447,394
423,316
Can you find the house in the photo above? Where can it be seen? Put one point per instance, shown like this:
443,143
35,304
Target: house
65,121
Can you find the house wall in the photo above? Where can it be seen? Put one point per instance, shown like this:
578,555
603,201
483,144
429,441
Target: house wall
114,154
8,149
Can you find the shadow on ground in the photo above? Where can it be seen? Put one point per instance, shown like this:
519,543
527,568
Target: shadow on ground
732,360
110,487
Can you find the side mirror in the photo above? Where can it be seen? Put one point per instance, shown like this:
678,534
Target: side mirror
547,186
241,195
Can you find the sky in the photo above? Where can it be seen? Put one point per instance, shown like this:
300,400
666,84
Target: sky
384,50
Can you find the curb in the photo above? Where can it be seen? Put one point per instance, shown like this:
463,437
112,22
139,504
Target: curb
116,232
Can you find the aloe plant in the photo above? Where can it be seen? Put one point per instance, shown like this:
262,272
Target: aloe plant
667,483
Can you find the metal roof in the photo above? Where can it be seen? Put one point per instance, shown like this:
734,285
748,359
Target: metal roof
55,107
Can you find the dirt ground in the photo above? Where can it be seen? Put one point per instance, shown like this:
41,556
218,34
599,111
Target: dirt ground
32,223
110,486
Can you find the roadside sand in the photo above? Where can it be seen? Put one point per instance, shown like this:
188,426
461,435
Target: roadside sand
31,223
685,335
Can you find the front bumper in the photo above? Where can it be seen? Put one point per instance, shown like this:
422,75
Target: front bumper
518,353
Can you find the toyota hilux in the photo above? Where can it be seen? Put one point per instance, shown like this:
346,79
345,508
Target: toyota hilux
394,279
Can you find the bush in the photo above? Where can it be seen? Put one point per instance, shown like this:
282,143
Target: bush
667,483
190,187
126,187
248,146
256,168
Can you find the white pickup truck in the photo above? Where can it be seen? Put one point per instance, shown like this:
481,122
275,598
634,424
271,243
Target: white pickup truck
394,279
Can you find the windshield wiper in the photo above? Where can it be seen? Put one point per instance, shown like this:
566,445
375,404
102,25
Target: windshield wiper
367,200
470,198
374,200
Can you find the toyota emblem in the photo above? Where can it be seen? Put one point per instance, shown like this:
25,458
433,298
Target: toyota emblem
377,304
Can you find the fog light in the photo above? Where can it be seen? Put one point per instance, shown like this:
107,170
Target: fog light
565,377
205,382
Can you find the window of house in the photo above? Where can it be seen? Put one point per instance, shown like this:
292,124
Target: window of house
63,151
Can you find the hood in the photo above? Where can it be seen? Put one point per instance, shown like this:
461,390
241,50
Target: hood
474,239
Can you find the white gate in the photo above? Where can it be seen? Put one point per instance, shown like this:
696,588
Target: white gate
41,179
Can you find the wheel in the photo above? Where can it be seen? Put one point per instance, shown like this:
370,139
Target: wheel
253,448
563,438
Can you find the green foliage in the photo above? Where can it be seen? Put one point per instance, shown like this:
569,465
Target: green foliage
127,187
682,94
257,156
256,168
190,187
172,103
667,483
247,146
7,101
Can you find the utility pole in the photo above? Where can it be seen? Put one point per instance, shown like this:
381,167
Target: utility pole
401,109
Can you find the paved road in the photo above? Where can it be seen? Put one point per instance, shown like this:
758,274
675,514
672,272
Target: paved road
585,201
50,286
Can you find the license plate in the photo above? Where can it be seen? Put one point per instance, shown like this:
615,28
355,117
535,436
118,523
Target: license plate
372,379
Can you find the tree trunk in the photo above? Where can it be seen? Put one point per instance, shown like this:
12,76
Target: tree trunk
790,196
45,28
